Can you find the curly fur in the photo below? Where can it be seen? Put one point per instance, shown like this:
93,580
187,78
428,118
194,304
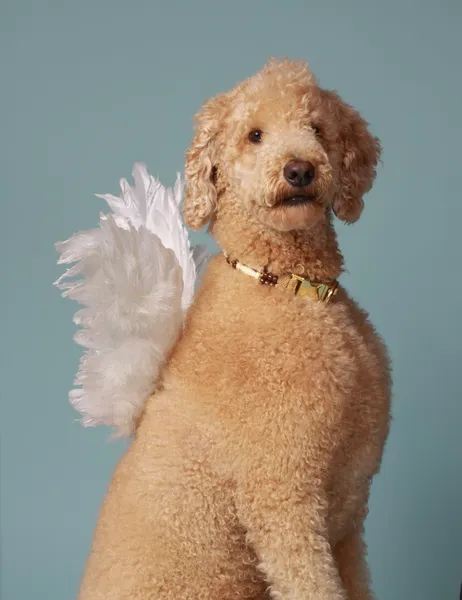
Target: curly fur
250,472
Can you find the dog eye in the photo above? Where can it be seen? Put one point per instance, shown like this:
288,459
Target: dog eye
317,129
255,136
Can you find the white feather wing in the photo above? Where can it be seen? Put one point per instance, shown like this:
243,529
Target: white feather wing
135,277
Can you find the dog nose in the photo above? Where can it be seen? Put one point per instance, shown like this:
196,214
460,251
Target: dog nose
299,172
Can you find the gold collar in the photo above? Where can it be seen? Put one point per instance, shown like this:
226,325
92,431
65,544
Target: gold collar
296,285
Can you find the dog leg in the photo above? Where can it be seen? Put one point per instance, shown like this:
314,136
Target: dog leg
350,555
289,537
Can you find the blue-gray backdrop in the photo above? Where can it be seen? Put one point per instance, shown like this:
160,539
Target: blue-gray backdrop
90,86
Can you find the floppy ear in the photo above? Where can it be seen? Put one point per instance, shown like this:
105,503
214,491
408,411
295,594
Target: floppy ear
360,153
200,169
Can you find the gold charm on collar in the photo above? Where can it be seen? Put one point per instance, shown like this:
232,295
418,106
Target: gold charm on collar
294,284
302,287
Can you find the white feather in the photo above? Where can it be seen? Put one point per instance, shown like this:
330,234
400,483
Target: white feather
136,278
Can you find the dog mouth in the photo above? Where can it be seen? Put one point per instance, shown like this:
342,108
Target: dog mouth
300,200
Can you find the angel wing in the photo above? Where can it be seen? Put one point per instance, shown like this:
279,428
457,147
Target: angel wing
135,276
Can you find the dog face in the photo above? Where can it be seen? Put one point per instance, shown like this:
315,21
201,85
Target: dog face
286,149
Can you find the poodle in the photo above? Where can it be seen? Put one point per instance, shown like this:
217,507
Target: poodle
250,470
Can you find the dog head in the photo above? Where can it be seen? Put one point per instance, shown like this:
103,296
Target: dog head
285,149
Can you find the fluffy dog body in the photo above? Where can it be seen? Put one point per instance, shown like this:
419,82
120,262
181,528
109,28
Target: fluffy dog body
250,471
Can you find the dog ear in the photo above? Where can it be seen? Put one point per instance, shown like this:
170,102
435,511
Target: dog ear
360,153
201,165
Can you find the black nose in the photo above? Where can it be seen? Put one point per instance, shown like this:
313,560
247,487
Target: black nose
299,173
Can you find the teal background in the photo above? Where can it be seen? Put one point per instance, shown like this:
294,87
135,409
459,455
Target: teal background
90,86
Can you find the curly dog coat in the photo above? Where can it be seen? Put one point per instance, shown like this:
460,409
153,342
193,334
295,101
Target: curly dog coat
250,470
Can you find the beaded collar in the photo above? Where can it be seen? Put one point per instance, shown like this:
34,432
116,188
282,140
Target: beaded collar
294,284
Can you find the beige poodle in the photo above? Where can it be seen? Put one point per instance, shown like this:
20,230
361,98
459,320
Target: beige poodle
250,471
